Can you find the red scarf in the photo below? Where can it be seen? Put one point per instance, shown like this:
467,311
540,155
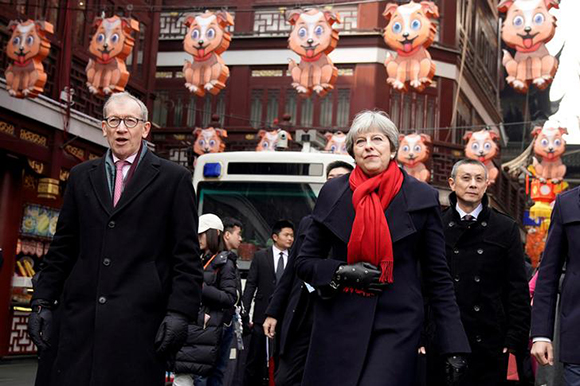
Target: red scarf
370,239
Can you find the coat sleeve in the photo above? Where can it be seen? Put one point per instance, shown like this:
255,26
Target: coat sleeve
251,284
64,248
281,295
187,272
225,293
437,282
546,293
517,299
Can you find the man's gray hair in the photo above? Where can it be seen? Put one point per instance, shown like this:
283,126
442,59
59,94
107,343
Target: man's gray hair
467,161
367,121
125,95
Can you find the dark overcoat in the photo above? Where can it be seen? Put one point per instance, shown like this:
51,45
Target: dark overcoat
291,293
347,327
562,246
121,270
486,260
261,282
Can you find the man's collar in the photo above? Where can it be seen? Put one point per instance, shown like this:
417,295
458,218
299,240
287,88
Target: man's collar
277,251
474,213
129,159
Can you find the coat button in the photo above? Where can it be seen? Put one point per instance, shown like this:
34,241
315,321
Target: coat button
102,300
477,279
456,251
478,338
106,261
456,278
451,224
483,223
480,251
111,224
476,308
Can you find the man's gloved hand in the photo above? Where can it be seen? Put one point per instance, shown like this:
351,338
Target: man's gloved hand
171,334
40,323
363,276
455,368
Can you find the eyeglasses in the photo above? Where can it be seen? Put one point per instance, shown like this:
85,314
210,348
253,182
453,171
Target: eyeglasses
130,122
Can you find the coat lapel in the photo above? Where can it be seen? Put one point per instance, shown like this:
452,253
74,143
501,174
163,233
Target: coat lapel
98,178
400,222
270,262
146,172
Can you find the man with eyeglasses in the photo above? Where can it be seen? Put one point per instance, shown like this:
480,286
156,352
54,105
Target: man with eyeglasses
124,262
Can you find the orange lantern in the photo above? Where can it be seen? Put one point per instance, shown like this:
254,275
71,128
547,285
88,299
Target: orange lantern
336,143
527,27
110,46
409,32
209,140
27,48
482,146
313,38
413,153
206,39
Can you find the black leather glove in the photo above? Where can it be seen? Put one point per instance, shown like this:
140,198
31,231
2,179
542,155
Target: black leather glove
455,368
363,276
171,334
246,328
40,323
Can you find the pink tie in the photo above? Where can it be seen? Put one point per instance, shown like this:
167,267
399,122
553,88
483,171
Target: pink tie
118,181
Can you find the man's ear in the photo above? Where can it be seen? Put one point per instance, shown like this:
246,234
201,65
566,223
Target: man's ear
451,182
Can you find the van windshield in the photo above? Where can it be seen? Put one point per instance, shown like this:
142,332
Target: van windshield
258,205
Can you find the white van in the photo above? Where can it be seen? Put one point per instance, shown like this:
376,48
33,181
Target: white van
259,188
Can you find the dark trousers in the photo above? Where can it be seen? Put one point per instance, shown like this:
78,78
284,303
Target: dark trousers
571,374
290,367
483,370
256,363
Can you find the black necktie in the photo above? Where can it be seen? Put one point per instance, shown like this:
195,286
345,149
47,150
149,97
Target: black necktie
280,267
468,217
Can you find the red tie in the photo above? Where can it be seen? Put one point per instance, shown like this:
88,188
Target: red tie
118,181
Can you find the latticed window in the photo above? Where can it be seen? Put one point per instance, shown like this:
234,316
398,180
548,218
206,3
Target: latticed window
221,107
326,111
256,108
177,111
290,107
160,108
191,112
272,110
307,112
206,111
343,107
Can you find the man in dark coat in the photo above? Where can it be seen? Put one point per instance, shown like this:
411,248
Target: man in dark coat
265,272
485,256
125,258
292,304
562,248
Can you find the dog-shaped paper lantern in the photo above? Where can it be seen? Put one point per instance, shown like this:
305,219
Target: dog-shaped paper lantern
413,153
313,38
549,145
209,140
527,28
336,143
27,48
482,146
410,32
110,46
272,140
206,40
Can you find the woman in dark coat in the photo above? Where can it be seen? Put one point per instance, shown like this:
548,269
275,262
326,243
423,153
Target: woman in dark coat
383,230
198,356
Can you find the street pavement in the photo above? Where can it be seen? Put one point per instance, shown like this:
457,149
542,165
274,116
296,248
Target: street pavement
17,371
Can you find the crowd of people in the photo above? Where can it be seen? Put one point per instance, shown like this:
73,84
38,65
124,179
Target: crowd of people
376,287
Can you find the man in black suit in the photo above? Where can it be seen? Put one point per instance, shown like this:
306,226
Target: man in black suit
265,272
124,260
292,304
562,248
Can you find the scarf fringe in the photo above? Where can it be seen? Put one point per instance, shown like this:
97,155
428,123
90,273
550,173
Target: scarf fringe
350,290
386,271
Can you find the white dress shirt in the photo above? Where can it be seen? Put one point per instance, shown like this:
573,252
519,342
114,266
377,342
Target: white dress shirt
127,165
276,252
475,212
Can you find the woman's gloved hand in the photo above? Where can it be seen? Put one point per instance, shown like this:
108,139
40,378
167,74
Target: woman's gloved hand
364,276
455,368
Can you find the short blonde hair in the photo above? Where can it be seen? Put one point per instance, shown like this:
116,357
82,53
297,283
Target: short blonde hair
368,120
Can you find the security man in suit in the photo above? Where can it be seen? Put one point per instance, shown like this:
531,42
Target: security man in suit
265,272
292,305
485,257
562,248
124,260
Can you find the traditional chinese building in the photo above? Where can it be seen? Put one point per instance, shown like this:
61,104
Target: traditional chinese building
41,139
